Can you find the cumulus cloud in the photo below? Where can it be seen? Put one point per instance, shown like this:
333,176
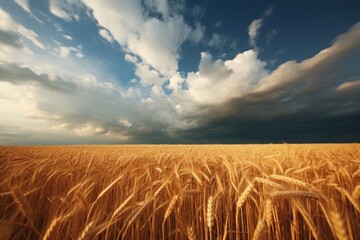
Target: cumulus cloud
295,102
147,75
218,81
224,100
155,41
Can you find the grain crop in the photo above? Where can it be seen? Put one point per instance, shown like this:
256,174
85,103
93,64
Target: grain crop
274,191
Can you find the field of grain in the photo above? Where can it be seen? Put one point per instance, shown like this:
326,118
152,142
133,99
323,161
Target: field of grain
180,192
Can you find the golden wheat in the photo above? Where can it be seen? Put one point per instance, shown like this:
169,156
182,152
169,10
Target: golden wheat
180,192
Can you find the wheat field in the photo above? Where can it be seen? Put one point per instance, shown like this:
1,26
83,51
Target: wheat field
180,192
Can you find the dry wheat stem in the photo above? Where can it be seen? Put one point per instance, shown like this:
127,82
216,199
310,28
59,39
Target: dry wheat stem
259,230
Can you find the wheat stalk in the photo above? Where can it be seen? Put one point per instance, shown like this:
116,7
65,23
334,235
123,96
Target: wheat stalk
349,197
120,208
259,230
308,220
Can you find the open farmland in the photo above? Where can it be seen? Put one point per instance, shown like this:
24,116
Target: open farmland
180,192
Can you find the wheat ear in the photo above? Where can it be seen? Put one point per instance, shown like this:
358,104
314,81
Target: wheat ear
290,180
268,212
210,212
292,194
23,205
244,195
51,228
338,224
356,193
190,233
171,206
85,231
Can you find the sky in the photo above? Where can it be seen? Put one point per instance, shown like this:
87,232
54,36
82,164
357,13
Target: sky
179,71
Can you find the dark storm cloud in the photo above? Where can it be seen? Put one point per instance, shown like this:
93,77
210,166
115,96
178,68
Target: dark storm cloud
317,100
10,38
17,74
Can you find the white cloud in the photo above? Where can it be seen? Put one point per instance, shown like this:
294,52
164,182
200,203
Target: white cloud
159,43
216,40
147,100
289,72
58,11
65,9
68,37
86,130
155,41
253,31
147,75
160,6
7,23
106,35
131,58
64,51
178,108
255,26
79,55
58,27
157,91
175,83
197,34
24,4
219,81
125,122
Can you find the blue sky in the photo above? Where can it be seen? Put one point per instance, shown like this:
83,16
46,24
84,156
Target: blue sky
166,71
